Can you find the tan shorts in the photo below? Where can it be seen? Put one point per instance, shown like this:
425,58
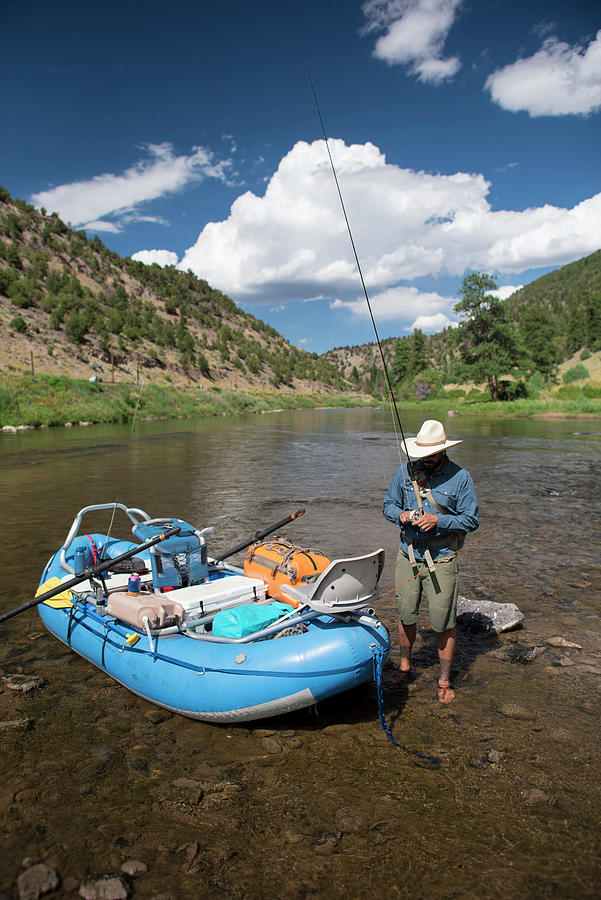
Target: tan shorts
439,588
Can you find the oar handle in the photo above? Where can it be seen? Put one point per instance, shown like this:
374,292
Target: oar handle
259,535
89,572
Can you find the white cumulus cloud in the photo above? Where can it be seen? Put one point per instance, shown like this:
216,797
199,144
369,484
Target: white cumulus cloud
99,225
161,257
415,34
558,80
506,291
424,310
292,244
88,203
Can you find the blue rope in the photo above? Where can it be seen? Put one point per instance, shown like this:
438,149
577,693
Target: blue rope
378,672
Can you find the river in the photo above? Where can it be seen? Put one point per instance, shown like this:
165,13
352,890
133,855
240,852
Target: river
317,803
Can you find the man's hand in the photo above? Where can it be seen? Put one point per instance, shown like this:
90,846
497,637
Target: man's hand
427,522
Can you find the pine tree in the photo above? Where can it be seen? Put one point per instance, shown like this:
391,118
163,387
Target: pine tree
539,335
489,343
401,359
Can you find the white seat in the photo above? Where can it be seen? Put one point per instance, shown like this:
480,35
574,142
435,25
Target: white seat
346,584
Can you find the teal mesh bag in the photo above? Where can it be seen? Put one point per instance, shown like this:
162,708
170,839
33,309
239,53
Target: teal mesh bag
244,620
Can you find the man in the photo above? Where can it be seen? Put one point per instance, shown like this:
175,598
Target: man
434,503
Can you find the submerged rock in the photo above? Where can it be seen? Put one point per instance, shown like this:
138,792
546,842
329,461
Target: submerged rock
37,880
518,653
513,711
106,887
23,724
561,642
22,683
534,796
133,867
486,616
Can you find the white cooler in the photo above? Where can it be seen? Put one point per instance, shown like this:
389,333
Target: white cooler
204,599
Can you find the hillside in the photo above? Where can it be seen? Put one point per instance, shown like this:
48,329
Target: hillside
564,304
70,306
570,299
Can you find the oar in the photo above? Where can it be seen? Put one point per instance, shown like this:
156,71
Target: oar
259,535
88,573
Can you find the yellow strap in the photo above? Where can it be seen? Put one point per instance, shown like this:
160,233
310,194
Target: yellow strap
59,601
428,558
411,553
418,496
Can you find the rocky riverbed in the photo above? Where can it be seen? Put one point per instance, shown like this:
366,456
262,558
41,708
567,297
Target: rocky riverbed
106,796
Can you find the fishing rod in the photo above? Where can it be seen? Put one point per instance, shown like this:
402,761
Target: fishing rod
259,535
359,269
89,573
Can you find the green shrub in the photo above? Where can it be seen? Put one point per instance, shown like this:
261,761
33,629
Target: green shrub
477,394
535,385
18,324
455,394
19,295
203,364
48,303
569,392
575,373
586,354
591,391
512,390
75,327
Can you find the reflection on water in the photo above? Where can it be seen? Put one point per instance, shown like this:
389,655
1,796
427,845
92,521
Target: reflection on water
537,546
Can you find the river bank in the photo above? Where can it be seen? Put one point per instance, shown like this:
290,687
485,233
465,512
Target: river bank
49,400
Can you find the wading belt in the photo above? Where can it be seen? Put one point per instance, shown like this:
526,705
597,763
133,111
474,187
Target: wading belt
421,488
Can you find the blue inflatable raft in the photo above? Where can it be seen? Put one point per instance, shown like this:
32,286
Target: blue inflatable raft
200,638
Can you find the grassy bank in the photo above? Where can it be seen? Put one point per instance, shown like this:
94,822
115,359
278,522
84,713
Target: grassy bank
46,400
577,405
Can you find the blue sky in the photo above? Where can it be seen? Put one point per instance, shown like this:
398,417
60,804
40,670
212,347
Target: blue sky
465,133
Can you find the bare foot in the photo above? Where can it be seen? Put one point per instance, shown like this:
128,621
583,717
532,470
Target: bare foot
445,693
407,673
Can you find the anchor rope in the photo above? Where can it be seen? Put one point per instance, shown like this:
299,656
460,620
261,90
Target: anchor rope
378,677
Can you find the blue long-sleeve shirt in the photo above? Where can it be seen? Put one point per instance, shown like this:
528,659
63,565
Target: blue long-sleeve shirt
452,488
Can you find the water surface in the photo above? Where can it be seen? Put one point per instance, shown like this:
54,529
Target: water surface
319,802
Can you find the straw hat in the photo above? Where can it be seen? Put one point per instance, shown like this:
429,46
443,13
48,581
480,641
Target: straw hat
431,438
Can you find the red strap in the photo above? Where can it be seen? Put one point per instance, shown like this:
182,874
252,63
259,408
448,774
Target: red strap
94,550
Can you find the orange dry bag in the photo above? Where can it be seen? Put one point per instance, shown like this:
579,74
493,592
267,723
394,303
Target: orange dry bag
281,562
